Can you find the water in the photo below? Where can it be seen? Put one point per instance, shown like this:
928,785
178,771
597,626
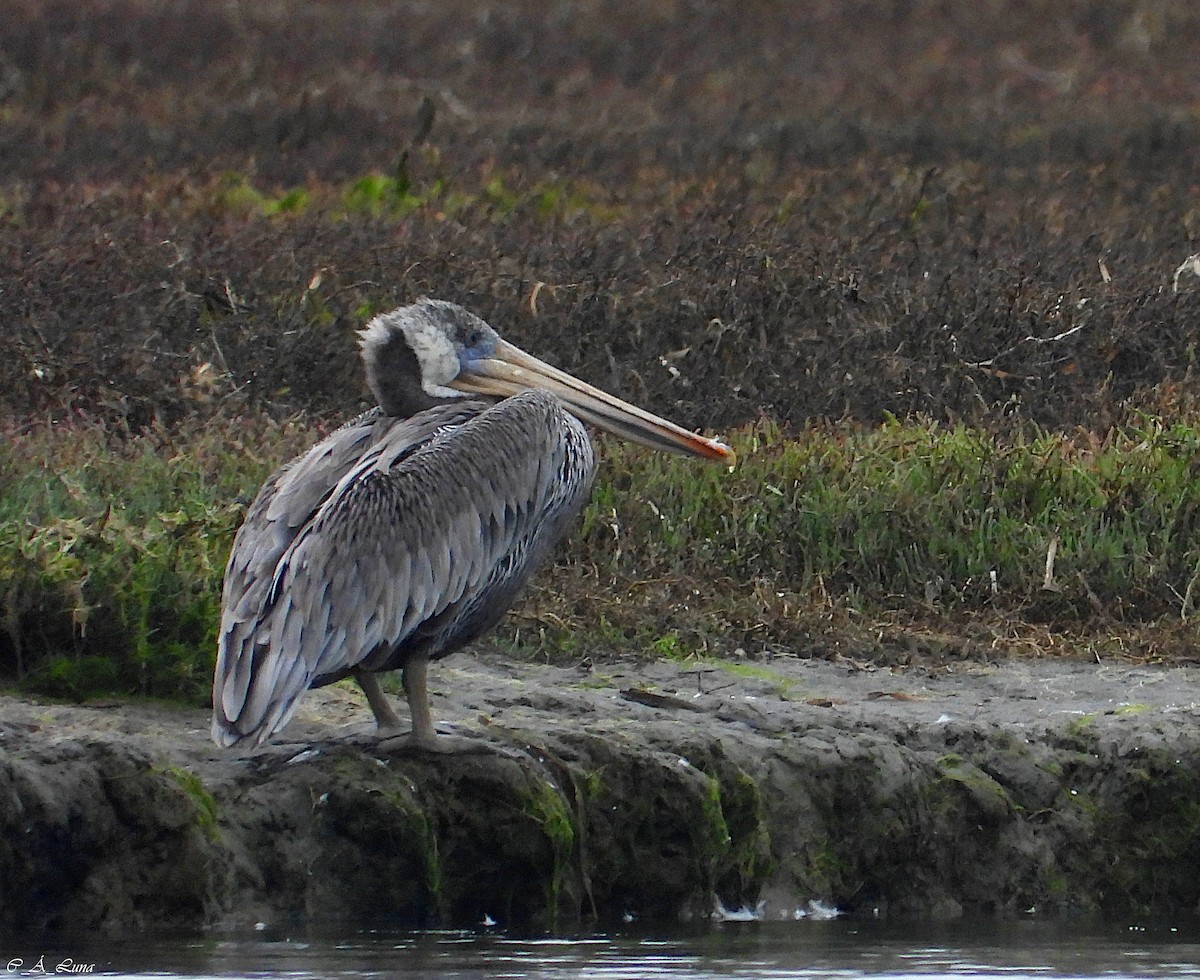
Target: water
841,948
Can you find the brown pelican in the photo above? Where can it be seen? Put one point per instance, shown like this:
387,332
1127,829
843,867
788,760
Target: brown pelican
409,531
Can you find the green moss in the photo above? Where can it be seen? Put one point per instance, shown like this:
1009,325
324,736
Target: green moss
713,817
732,838
822,866
1085,803
965,795
549,809
379,811
592,784
203,801
782,685
1082,726
975,780
419,825
745,818
1146,825
595,681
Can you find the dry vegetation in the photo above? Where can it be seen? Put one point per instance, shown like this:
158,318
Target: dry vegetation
800,227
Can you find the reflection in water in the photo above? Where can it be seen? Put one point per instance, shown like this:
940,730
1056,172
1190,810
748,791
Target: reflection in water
843,948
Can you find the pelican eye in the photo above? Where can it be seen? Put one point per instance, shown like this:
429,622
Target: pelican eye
477,344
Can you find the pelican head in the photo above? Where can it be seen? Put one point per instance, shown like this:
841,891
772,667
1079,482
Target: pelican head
419,355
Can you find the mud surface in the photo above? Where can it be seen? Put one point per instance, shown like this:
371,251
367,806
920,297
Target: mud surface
648,790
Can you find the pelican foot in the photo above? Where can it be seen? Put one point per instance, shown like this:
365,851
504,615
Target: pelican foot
411,743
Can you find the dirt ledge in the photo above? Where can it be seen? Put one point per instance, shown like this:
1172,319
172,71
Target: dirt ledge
628,790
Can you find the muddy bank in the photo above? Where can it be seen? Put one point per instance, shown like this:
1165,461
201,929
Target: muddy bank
640,790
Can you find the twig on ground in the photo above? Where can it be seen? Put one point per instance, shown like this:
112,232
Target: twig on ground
1094,599
1048,583
1186,607
1190,264
991,361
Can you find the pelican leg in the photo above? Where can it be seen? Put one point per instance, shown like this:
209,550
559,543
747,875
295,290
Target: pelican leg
424,737
423,734
386,718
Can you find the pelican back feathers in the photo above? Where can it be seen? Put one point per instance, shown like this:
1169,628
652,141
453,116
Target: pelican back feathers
390,537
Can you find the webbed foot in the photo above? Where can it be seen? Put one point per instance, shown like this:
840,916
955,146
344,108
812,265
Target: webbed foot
415,742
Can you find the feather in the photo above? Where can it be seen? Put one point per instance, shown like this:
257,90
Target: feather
387,526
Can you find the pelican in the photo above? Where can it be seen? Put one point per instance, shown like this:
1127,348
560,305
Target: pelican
410,530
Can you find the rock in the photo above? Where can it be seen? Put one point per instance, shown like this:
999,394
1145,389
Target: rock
995,788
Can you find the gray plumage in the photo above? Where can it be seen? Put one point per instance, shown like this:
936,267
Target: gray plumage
403,535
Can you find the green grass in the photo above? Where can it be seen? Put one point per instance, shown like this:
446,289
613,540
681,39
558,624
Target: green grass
112,552
396,196
112,547
913,514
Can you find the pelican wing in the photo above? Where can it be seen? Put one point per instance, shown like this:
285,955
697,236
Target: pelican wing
287,501
372,537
